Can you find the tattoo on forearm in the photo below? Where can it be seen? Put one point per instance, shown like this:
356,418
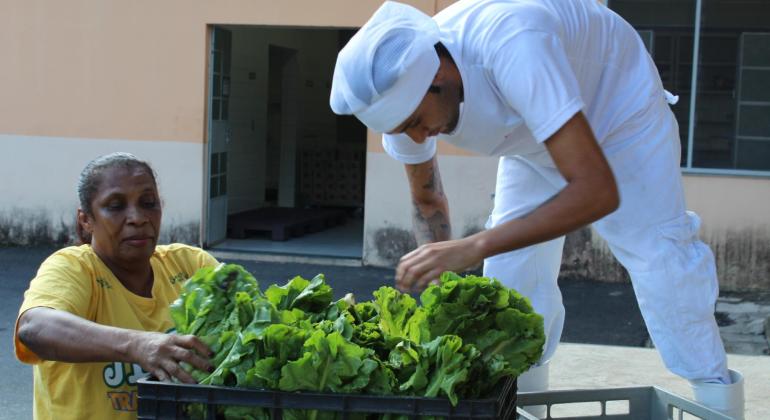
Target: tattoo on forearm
432,228
433,183
430,214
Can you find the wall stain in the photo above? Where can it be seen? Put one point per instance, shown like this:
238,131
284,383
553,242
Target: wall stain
391,244
186,233
586,259
742,259
742,256
25,227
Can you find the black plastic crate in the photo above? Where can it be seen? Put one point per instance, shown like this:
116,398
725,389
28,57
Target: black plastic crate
163,400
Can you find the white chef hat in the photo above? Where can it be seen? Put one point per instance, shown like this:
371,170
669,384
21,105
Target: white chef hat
386,68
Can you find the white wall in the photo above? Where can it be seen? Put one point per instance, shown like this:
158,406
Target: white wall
39,176
468,182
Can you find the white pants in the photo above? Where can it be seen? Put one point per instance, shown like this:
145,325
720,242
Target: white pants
651,234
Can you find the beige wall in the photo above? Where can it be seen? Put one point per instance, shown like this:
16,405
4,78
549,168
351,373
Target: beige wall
736,223
729,203
88,76
129,69
85,77
92,69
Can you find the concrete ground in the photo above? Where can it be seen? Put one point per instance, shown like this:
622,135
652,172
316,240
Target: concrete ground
603,346
589,366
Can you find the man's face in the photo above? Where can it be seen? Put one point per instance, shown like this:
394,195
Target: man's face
438,112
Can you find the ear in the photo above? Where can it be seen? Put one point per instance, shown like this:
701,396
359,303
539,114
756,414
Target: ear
85,221
440,76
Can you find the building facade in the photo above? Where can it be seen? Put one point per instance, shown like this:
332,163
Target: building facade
228,100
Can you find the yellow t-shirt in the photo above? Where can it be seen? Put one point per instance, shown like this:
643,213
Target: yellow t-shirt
75,280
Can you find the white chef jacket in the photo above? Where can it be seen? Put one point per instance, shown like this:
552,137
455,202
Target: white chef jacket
528,66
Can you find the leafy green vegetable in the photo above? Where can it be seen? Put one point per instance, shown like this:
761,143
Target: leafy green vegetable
499,321
399,316
450,363
298,293
466,335
330,363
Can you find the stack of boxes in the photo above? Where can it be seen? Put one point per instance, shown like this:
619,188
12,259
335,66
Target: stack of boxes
332,177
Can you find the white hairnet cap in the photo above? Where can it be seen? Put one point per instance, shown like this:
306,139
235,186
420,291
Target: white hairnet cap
386,68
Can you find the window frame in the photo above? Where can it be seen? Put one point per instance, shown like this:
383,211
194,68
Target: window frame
688,167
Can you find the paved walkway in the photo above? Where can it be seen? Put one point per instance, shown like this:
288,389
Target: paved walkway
586,366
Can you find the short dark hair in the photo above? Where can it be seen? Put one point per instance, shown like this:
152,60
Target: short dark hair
442,51
91,177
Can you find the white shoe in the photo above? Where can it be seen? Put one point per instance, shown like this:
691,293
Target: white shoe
534,380
727,399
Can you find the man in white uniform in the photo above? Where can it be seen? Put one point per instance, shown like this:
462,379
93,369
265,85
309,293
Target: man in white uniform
566,95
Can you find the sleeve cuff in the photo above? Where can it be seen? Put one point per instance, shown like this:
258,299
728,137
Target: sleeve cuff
426,154
23,353
546,130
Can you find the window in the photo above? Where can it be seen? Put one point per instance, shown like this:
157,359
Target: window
724,117
220,93
218,179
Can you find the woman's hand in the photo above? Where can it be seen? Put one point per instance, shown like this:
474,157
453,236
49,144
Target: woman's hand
160,354
426,263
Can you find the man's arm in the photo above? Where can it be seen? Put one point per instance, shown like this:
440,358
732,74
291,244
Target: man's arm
590,194
430,213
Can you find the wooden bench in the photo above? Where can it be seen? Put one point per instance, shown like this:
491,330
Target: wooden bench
283,223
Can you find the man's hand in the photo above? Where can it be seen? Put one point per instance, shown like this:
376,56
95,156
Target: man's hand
160,354
425,264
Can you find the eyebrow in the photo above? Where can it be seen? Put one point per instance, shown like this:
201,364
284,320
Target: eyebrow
113,193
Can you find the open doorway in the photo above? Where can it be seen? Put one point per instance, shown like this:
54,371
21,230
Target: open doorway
294,170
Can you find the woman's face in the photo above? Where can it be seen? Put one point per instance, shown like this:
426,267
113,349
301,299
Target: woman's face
126,212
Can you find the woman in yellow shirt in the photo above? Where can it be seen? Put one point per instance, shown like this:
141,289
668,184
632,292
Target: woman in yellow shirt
95,317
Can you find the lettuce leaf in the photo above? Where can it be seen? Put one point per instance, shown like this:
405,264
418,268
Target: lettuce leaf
499,321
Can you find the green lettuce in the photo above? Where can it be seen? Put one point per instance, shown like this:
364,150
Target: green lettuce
463,336
499,321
